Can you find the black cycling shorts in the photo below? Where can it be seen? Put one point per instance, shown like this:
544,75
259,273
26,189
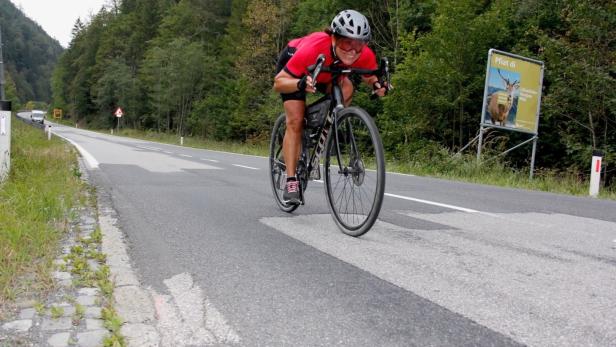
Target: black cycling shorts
284,57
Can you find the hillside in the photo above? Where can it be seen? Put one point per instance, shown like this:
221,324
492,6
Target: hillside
29,54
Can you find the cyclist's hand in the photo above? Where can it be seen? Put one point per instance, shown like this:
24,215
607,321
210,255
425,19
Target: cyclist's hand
310,85
380,89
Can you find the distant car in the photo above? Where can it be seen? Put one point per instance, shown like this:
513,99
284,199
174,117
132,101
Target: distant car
37,116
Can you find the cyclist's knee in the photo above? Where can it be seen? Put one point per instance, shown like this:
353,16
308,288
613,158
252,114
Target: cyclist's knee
295,122
295,115
347,90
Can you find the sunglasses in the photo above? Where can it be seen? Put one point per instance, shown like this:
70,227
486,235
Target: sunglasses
346,44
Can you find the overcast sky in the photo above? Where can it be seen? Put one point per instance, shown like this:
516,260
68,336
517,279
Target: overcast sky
57,17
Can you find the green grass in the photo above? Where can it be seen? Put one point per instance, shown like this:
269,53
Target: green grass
56,312
34,208
493,172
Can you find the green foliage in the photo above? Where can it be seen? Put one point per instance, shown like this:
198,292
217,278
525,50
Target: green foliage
113,323
39,307
29,55
205,69
34,207
10,92
56,312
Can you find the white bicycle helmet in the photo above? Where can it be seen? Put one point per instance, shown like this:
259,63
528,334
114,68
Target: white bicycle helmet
351,24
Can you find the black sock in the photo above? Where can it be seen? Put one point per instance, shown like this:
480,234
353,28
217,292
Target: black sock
291,178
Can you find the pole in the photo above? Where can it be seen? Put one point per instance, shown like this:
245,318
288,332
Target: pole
5,139
2,96
5,124
532,158
595,173
480,143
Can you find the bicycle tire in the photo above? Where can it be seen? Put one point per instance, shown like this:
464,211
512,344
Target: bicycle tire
276,164
357,133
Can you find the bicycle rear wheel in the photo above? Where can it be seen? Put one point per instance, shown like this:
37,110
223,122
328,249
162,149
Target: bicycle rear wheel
354,172
277,164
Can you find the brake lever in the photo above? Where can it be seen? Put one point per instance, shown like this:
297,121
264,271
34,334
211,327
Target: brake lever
383,78
317,68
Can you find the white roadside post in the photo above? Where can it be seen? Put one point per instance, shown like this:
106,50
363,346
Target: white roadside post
5,139
48,130
5,124
595,173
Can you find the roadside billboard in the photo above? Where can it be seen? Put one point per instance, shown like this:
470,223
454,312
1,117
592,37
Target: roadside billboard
512,94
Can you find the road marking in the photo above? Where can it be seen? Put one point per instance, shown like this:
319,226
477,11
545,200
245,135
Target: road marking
434,203
245,167
212,160
167,152
89,158
149,148
507,267
187,317
186,156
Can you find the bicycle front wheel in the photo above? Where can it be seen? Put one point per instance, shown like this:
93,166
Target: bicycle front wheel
277,164
354,172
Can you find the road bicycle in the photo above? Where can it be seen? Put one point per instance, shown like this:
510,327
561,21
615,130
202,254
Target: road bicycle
354,165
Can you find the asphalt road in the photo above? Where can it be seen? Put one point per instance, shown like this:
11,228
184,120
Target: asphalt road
447,264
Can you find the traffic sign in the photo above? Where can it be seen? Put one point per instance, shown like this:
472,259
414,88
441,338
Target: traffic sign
118,113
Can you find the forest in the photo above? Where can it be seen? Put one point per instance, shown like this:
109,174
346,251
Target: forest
205,68
29,56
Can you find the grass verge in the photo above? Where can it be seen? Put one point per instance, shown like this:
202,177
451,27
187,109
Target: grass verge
35,200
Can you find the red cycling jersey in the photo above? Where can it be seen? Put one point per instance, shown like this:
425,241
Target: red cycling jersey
308,49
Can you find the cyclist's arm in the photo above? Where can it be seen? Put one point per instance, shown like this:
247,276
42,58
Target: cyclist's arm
285,83
374,83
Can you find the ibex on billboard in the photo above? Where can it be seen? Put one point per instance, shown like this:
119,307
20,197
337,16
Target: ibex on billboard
500,102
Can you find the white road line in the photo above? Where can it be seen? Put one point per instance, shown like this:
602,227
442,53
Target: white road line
245,167
434,203
453,207
167,152
149,148
186,156
212,160
92,163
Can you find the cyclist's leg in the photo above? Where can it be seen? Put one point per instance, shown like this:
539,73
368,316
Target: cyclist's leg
292,143
347,91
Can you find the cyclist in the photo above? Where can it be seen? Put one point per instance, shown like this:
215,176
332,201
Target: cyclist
344,43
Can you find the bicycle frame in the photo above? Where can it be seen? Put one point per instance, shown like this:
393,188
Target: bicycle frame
337,104
330,120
